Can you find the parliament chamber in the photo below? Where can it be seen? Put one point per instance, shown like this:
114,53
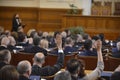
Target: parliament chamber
45,19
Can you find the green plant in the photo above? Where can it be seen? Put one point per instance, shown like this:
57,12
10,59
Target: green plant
73,10
76,30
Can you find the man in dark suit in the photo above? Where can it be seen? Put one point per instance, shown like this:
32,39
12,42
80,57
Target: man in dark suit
24,69
39,60
89,51
5,58
36,47
68,48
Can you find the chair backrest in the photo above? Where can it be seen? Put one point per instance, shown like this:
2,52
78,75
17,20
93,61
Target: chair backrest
16,58
114,62
51,59
90,61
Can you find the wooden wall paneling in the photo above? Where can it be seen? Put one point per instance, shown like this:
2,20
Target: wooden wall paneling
109,25
48,27
64,20
100,23
71,22
81,22
25,13
91,23
6,24
50,19
113,24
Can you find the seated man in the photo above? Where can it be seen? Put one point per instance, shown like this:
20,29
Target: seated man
68,48
24,69
89,51
36,47
39,60
5,58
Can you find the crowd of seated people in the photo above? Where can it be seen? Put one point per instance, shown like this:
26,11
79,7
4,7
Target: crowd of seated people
60,43
24,68
34,42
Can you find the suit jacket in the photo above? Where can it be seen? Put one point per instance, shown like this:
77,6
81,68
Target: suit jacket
48,70
21,77
68,49
15,24
2,64
2,48
116,55
35,49
89,53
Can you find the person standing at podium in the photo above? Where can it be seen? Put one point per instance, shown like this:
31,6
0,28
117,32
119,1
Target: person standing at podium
16,22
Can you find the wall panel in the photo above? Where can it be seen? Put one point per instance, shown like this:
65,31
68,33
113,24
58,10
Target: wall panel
91,24
109,25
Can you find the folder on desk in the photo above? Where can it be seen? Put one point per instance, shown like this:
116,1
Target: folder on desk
35,78
107,74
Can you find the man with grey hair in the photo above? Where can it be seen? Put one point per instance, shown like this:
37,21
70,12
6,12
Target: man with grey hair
39,60
4,43
5,58
24,69
65,75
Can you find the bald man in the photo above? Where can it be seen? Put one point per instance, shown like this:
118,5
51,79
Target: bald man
39,60
24,69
